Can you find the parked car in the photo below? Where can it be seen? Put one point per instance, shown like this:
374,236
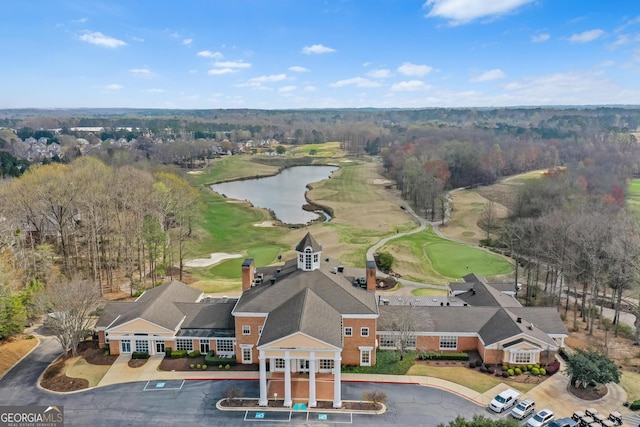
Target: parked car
541,419
523,409
564,422
504,400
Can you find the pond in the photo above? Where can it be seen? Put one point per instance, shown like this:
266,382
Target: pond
283,193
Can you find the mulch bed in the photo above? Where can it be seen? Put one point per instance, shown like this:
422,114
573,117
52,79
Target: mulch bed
136,363
55,379
589,393
184,363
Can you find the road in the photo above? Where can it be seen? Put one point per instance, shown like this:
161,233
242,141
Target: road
193,402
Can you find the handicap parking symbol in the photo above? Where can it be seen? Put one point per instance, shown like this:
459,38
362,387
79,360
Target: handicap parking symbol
322,417
259,414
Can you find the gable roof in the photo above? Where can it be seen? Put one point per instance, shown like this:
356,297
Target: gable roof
156,305
335,289
302,313
477,292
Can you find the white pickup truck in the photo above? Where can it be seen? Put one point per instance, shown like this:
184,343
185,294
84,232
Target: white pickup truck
504,400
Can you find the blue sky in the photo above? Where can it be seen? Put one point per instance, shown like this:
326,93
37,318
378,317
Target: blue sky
318,54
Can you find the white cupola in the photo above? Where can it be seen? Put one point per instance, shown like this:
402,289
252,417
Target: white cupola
309,252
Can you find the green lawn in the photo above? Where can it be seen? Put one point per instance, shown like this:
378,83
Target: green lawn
387,363
428,258
327,149
429,292
92,373
633,197
464,376
232,167
630,382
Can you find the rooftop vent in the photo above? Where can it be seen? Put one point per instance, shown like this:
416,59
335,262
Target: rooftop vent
519,320
441,303
278,270
340,269
447,303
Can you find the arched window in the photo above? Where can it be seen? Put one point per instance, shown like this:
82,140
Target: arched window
307,259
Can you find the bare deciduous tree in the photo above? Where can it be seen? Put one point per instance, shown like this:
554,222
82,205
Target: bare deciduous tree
69,307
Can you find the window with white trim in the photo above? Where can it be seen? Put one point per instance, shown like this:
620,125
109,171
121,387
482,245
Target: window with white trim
348,331
307,259
278,364
387,341
142,345
125,346
364,332
301,258
410,342
224,346
522,357
182,344
246,330
325,364
246,355
315,258
365,357
448,342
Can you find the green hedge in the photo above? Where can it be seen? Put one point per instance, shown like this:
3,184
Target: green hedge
179,354
442,356
140,355
212,359
194,353
635,405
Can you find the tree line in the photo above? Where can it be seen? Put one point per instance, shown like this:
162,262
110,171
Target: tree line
89,222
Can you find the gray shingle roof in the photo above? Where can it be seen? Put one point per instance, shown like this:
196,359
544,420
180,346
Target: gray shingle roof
213,315
479,293
308,241
156,305
302,313
336,290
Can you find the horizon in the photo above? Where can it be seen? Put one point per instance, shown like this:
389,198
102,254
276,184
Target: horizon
318,55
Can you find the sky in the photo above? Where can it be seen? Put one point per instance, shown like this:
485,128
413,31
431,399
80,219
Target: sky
291,54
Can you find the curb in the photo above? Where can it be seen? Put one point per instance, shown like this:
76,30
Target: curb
380,411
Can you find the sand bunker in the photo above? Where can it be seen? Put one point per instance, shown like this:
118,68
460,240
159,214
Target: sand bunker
195,172
265,224
213,259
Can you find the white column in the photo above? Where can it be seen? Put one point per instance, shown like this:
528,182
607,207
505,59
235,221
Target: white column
312,380
287,380
337,398
264,399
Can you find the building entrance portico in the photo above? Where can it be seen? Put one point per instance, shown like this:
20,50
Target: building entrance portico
300,374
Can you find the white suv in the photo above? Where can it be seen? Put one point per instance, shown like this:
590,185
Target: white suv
523,409
541,419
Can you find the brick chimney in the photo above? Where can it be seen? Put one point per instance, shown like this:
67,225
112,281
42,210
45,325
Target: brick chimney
247,274
371,276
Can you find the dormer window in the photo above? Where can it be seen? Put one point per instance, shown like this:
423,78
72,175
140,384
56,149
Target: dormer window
307,259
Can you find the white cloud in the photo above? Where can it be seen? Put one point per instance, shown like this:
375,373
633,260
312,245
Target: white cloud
356,81
187,42
209,54
539,38
155,90
410,86
141,72
113,86
298,69
221,71
79,21
494,74
100,39
269,79
464,11
317,49
586,36
409,69
232,64
193,71
310,88
380,73
285,89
